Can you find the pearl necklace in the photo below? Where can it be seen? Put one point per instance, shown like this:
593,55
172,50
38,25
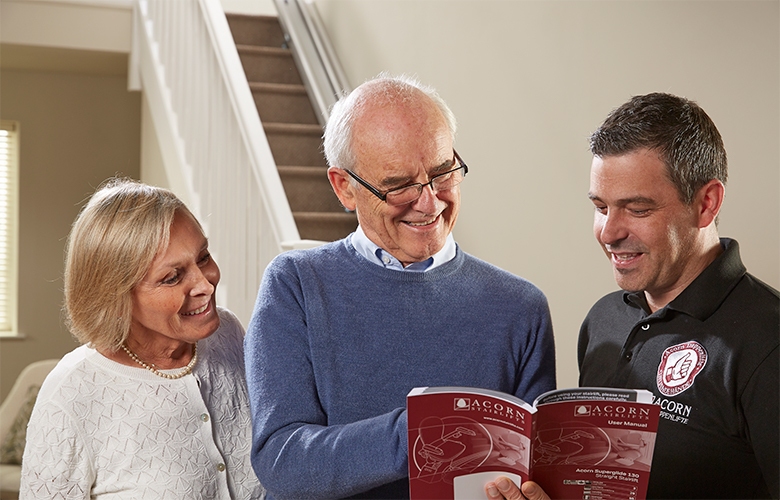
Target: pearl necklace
172,376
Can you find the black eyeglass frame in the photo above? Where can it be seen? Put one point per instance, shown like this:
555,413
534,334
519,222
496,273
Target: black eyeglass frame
383,196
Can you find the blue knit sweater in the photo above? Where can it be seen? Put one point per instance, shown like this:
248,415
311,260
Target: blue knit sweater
336,343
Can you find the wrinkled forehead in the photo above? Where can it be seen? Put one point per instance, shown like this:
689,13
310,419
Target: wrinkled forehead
638,174
393,136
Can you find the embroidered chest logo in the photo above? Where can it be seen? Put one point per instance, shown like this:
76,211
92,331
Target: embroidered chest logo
679,366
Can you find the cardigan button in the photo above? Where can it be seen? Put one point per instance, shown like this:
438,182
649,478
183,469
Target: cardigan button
221,467
646,326
628,356
205,417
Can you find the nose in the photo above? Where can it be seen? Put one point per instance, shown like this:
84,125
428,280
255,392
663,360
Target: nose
610,228
428,202
203,282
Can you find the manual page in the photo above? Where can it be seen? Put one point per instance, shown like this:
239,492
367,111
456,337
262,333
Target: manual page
590,443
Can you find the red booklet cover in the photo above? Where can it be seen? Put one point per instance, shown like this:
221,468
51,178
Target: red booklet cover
589,443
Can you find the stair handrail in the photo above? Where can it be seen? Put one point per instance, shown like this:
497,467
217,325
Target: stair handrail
214,149
313,53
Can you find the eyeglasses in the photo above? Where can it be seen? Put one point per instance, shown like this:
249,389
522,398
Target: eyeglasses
409,193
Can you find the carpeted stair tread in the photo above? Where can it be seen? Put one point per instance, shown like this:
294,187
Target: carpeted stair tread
268,64
322,225
293,128
256,30
263,50
295,143
283,102
308,189
279,88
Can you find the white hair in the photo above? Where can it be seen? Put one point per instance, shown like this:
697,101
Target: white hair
337,139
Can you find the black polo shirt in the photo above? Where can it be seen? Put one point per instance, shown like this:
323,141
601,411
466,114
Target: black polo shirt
710,358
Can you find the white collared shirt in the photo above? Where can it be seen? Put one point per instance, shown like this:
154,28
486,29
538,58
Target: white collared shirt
375,254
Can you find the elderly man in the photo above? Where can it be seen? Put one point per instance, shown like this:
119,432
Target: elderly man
342,332
692,326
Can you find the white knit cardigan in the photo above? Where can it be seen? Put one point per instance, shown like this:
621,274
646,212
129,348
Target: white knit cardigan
103,430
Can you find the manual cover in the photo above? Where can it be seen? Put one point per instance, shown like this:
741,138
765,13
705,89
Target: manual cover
588,443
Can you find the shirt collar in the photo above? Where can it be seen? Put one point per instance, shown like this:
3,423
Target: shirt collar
377,255
708,290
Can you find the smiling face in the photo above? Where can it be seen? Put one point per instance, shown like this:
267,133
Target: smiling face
175,301
649,235
396,145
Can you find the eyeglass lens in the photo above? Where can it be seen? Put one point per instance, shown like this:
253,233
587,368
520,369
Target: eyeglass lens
441,182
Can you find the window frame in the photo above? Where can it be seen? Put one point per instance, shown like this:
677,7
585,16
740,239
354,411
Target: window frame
10,133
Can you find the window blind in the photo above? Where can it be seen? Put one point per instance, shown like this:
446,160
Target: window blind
9,222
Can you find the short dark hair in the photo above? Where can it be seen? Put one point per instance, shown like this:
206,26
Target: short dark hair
678,129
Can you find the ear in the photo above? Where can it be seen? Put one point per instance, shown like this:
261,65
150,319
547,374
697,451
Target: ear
708,202
340,182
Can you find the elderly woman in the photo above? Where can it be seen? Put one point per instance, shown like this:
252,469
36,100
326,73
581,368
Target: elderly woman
154,405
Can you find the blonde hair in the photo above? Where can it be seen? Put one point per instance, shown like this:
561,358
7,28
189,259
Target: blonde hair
111,247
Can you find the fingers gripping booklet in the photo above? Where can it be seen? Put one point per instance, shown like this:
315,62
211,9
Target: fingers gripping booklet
584,443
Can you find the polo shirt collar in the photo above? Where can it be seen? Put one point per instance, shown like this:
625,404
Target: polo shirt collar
705,294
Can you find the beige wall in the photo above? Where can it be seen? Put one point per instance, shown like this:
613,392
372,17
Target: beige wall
76,131
529,80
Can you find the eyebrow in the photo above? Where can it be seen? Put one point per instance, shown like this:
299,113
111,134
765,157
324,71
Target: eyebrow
641,200
178,263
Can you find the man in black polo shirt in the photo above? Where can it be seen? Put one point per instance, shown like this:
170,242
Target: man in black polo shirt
691,325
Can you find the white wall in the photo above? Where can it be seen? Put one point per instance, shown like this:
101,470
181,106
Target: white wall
529,81
253,7
102,25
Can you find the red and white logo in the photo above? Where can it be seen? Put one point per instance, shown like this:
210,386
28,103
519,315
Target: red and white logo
679,366
462,404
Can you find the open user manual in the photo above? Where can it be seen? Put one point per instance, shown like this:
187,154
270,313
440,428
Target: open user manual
585,443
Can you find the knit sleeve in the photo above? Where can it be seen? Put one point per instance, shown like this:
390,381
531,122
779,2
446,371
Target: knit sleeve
295,452
536,369
56,463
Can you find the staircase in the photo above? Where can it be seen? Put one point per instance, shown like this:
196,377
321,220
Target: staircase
291,126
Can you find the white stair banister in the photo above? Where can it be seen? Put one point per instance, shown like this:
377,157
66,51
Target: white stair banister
215,151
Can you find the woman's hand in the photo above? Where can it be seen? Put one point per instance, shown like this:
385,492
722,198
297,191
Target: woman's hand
504,489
